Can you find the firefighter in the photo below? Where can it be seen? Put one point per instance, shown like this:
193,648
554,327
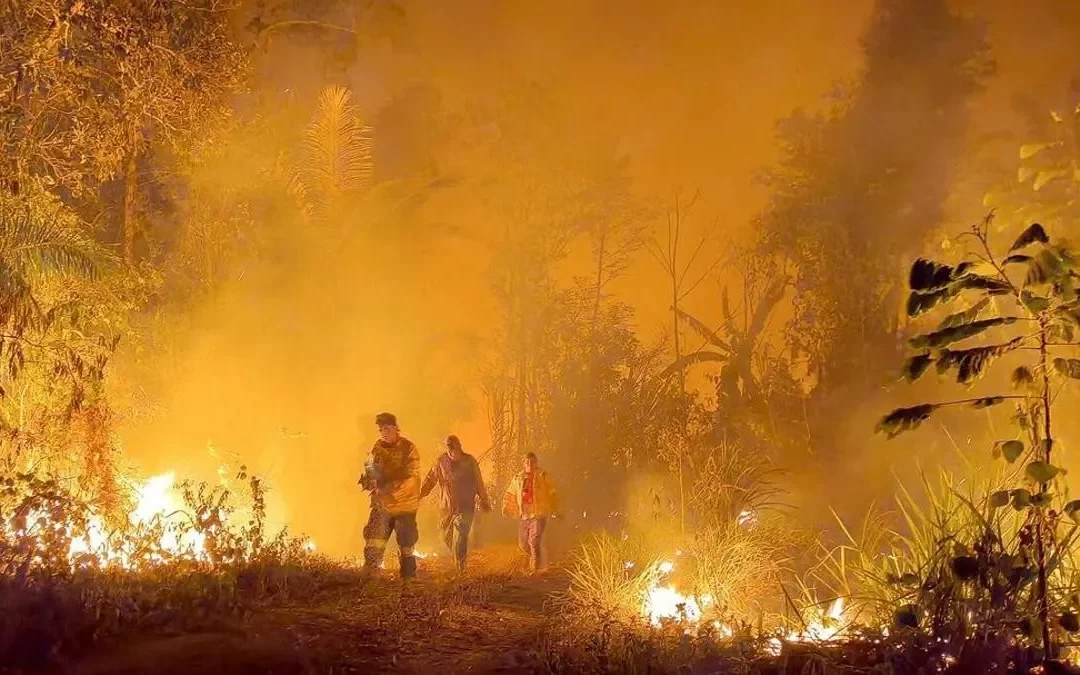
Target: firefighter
461,487
531,500
392,475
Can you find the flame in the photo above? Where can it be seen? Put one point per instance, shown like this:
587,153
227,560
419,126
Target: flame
664,602
158,510
156,502
821,629
667,603
774,646
154,498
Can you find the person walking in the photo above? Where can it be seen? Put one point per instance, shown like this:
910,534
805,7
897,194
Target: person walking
457,475
392,476
530,498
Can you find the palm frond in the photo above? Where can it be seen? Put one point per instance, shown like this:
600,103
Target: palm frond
40,241
706,333
39,236
693,359
337,150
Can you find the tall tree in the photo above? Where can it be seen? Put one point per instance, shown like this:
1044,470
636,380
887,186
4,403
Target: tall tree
89,86
867,179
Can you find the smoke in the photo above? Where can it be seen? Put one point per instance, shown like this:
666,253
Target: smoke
385,302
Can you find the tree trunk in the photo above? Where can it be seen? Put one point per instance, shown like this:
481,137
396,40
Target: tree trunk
131,194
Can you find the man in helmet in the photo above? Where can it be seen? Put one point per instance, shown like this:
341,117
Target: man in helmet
457,474
392,475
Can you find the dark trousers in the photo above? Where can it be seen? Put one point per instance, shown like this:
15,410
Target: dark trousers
380,526
531,539
455,532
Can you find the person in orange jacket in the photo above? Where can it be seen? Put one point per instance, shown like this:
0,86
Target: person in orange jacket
392,476
531,500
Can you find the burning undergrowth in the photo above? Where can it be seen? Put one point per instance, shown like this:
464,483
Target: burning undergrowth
726,582
70,575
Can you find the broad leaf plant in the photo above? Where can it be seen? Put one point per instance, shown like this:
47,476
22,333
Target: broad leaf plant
1025,302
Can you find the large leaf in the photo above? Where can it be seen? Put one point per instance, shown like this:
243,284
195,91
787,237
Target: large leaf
966,316
928,275
1034,303
1069,312
1068,367
1072,510
1034,233
1021,499
972,363
1044,268
991,285
1061,331
947,336
692,359
1022,377
1042,472
1017,259
919,303
916,365
1010,450
905,419
998,499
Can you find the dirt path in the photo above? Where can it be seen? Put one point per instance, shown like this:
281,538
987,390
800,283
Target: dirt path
484,622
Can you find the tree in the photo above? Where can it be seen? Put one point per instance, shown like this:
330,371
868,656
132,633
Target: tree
58,307
678,265
866,179
759,399
335,162
1027,299
90,86
544,203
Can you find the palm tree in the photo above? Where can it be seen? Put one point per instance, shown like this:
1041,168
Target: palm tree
335,159
43,246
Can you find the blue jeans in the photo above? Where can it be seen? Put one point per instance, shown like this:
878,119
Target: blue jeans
455,531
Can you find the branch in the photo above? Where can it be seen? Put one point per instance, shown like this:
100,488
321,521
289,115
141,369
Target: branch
298,22
968,401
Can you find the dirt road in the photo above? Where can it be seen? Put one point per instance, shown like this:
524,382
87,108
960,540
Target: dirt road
483,622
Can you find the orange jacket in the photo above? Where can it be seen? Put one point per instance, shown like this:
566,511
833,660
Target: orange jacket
545,501
398,466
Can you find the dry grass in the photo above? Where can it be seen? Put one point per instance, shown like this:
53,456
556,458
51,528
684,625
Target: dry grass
742,566
602,585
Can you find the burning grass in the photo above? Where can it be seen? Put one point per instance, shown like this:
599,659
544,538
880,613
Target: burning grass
70,576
